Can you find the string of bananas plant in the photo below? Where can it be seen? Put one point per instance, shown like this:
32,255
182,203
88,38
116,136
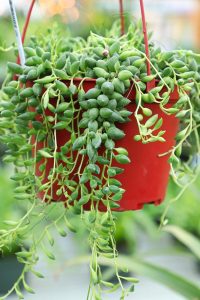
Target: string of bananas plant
84,167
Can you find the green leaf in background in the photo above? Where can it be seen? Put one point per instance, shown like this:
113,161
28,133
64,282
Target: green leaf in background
179,284
189,240
175,282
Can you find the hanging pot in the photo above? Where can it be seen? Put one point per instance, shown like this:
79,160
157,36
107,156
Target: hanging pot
145,178
10,270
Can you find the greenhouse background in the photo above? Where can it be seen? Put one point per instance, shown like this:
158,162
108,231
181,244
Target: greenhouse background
174,24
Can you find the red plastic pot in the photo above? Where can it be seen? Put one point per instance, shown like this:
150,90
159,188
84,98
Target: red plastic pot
145,179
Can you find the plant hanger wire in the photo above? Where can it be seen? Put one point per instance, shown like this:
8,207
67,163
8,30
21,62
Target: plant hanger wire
21,56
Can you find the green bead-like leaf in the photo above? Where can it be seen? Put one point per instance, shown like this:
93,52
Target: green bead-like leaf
78,143
122,159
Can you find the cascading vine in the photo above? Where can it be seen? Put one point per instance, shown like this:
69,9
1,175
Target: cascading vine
46,99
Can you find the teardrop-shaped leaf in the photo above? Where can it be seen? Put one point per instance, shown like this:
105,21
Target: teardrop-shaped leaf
49,254
151,121
96,141
44,154
46,99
